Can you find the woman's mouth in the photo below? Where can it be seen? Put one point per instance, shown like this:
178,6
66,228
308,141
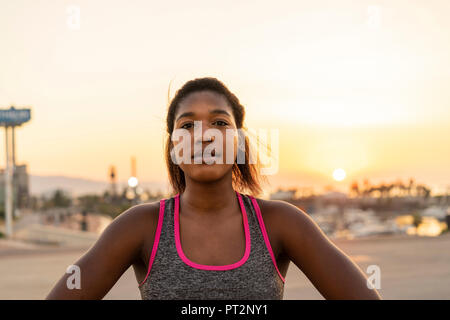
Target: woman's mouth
206,158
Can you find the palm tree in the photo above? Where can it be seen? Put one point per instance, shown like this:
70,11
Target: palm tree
367,187
400,187
417,219
389,188
354,188
410,186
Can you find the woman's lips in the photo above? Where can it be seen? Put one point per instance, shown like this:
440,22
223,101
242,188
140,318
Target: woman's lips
209,158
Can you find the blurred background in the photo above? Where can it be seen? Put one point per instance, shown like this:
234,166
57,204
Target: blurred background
358,92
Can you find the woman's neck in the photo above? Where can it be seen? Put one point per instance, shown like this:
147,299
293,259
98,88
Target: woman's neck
210,199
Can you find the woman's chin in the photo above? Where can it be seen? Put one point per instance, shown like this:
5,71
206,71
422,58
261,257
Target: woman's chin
206,172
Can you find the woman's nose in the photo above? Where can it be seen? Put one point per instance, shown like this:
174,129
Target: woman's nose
208,138
203,135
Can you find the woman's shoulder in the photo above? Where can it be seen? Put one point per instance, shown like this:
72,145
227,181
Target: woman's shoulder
278,206
280,213
136,221
142,214
292,223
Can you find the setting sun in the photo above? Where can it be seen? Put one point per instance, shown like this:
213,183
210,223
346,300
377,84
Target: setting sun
339,174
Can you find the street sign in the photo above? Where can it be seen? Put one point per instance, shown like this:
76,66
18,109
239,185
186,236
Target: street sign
14,117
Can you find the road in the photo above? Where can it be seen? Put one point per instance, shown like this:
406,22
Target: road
411,268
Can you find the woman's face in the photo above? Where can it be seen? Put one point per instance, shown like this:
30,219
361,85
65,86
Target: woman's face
205,117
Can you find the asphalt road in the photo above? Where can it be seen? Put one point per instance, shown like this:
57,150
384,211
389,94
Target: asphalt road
411,268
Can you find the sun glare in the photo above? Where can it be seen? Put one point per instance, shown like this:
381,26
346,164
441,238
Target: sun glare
339,174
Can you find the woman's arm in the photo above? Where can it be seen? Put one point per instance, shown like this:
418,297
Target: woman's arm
118,247
329,269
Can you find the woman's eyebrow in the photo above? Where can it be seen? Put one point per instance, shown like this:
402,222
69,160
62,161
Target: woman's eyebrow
190,113
186,114
220,111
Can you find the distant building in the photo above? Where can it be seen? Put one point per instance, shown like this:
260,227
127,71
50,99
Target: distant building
334,196
21,186
283,194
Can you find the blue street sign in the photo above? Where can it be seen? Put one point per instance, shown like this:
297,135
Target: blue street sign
14,117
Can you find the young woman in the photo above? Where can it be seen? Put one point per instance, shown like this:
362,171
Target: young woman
213,239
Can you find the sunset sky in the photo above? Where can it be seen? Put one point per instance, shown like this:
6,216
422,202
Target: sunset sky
358,85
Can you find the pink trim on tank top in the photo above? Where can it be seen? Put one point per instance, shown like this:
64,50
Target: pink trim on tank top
209,267
157,236
264,232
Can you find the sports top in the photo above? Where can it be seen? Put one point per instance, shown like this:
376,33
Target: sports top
171,275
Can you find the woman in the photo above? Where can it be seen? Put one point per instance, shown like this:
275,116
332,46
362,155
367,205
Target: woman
211,240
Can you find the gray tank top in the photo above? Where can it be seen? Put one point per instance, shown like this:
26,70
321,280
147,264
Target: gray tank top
171,275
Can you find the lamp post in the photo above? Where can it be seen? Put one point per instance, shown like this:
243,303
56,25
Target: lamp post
132,184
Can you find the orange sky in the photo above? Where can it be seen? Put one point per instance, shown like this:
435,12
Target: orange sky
345,84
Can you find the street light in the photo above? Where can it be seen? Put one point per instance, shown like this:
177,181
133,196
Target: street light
133,182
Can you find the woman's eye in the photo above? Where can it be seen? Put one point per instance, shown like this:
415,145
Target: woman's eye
221,123
186,125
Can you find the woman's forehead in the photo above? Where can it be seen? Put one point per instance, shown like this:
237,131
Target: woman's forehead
202,100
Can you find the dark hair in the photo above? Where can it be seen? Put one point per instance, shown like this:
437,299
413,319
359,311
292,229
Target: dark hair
246,178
